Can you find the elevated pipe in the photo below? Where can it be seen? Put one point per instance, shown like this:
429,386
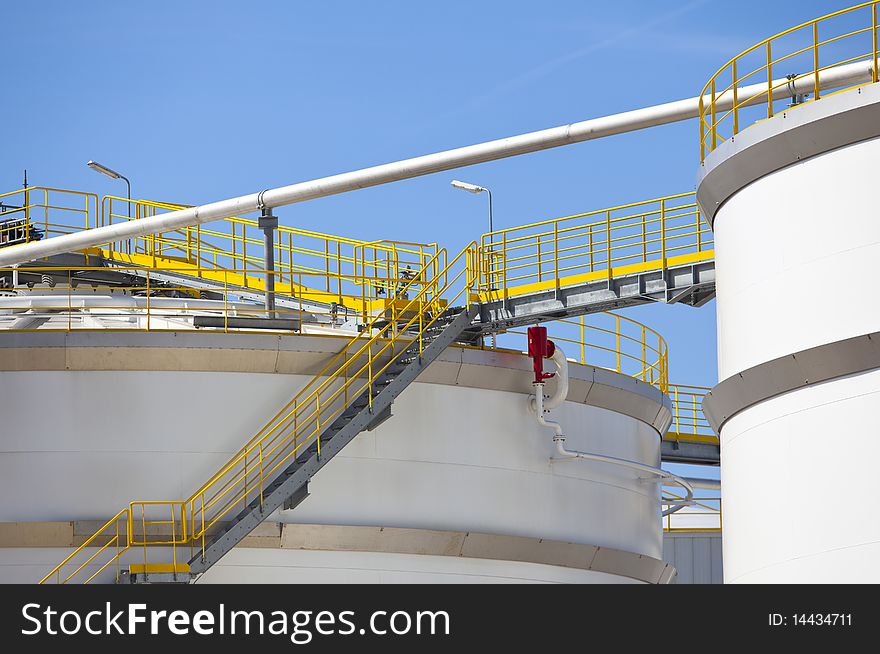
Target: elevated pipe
555,137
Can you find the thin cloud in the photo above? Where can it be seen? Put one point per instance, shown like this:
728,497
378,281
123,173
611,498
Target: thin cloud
543,70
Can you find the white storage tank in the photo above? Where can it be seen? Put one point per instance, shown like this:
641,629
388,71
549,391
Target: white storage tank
793,205
457,486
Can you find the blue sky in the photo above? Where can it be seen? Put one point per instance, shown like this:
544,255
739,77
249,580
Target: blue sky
199,101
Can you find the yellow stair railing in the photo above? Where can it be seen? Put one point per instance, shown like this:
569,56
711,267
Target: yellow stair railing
586,247
186,525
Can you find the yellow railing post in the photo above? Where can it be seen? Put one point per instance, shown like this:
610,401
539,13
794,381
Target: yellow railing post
644,356
698,228
875,74
702,121
148,300
769,81
46,209
261,474
816,61
556,255
583,339
663,234
69,300
713,127
538,244
608,243
735,99
590,228
318,421
644,240
617,340
503,263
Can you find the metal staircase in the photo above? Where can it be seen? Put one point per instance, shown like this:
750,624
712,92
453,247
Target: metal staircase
354,392
367,411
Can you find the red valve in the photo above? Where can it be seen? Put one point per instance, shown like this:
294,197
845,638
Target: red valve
540,348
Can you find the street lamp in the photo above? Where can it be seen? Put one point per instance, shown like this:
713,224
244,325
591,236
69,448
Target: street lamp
473,188
112,174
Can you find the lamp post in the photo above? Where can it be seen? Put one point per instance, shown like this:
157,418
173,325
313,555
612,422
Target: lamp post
473,188
112,174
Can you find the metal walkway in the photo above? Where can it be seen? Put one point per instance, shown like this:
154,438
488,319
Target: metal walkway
690,438
654,251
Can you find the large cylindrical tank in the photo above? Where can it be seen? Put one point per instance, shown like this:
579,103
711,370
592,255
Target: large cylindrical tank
458,486
793,205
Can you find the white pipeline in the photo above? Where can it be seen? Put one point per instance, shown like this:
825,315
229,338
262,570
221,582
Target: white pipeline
704,484
595,128
538,407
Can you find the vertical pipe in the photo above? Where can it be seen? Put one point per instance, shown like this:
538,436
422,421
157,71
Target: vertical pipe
268,223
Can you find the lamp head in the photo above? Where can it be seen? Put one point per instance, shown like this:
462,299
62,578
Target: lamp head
470,188
94,165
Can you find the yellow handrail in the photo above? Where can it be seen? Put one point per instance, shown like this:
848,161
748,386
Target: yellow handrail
613,342
688,420
339,263
801,49
593,246
356,274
